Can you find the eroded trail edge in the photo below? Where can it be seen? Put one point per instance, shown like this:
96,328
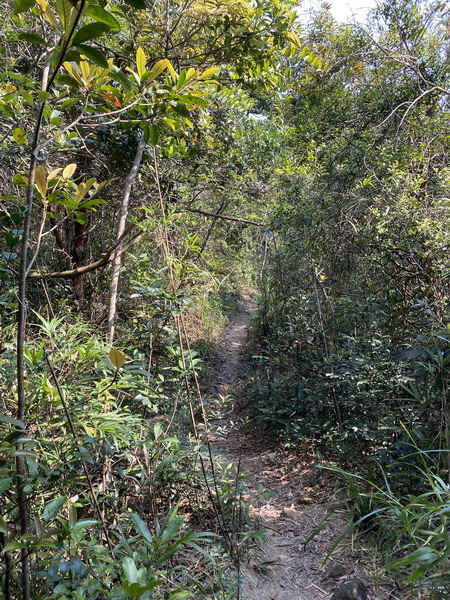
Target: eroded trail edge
297,493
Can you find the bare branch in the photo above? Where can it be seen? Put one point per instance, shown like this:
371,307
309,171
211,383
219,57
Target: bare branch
85,268
224,217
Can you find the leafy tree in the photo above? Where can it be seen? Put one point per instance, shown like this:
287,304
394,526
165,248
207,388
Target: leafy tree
113,116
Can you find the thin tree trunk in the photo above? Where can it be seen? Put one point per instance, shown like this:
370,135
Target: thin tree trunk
21,471
117,260
22,499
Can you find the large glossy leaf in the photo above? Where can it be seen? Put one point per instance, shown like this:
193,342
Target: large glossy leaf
156,70
210,72
120,76
53,508
69,170
103,16
181,110
11,421
129,569
153,134
5,484
21,6
84,523
93,55
91,31
33,38
134,590
64,10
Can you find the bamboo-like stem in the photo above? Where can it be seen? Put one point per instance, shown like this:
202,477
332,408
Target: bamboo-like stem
83,462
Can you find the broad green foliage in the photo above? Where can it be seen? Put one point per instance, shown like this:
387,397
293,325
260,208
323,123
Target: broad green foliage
109,109
217,134
353,325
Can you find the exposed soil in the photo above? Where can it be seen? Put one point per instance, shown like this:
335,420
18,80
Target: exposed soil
302,495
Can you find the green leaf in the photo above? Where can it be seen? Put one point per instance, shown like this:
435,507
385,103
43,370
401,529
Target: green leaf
141,61
2,525
5,484
157,68
134,590
14,546
210,72
84,523
72,55
27,97
25,452
194,100
19,136
64,10
181,110
16,218
141,528
154,134
81,217
21,6
11,240
53,508
103,16
91,31
140,4
72,516
68,103
120,77
145,131
129,569
31,37
93,55
42,96
181,595
11,421
181,79
67,80
426,554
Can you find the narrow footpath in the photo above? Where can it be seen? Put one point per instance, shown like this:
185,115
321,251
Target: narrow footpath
298,496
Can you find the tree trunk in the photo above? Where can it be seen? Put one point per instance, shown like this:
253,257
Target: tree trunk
117,260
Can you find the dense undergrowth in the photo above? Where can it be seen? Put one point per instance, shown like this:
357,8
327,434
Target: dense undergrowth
120,499
155,162
351,342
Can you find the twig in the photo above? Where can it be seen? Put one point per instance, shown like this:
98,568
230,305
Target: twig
85,268
317,588
217,216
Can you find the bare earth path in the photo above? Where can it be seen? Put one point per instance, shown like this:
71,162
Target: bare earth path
283,569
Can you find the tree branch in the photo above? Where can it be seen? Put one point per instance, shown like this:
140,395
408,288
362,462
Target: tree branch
85,268
217,216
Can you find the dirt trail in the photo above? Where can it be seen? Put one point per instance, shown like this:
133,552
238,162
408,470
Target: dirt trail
282,569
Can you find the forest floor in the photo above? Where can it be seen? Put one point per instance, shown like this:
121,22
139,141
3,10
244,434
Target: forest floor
298,496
